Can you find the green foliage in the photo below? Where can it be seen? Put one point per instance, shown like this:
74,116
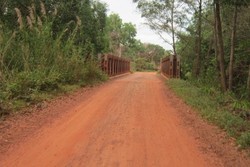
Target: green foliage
121,35
25,83
164,17
210,76
93,74
145,57
114,30
244,140
39,60
26,88
128,33
216,108
141,64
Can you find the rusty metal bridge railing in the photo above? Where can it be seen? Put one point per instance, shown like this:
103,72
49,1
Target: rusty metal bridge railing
114,65
170,66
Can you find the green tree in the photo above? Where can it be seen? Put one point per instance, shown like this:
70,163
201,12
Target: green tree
121,35
198,40
235,5
114,29
234,32
128,33
164,17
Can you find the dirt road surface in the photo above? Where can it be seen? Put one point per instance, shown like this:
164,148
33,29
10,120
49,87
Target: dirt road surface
131,121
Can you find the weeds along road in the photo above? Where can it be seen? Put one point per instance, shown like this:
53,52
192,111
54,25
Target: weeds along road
128,122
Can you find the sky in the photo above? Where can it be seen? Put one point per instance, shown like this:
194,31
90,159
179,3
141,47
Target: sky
126,9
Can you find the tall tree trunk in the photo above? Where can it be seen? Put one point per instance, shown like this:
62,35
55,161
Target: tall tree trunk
220,45
248,83
233,37
198,43
206,58
172,26
216,46
1,66
216,49
1,74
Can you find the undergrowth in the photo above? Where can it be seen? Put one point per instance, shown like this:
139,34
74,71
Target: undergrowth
37,63
28,88
224,110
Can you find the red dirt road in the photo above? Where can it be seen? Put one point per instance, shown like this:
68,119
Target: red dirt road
130,122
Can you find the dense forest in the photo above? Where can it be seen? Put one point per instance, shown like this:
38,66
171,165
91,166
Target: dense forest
49,46
212,37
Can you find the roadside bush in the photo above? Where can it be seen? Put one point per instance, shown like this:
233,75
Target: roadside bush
93,74
25,83
71,69
217,108
142,64
75,70
244,140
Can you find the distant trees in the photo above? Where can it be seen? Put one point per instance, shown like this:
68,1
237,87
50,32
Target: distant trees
123,43
120,34
147,57
166,18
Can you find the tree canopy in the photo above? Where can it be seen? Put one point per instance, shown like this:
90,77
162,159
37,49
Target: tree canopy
210,36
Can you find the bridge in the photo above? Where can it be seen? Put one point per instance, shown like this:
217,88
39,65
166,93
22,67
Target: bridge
114,65
170,66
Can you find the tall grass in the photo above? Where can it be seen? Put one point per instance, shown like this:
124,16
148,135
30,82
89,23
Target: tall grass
221,109
33,60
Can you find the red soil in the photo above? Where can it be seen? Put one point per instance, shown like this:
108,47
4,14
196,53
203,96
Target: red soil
134,120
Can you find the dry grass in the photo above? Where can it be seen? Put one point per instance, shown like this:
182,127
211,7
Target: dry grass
43,9
78,21
20,19
29,22
39,22
31,14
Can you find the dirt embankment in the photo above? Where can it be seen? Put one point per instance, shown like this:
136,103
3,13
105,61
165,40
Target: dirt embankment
130,121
